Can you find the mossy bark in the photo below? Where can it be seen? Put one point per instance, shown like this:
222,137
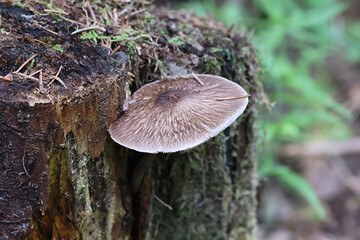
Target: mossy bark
63,177
208,192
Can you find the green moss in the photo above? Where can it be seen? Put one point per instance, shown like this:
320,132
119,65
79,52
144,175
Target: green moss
211,188
162,68
212,64
176,41
57,173
185,27
92,35
106,18
215,50
165,32
58,47
58,211
131,37
149,18
198,180
48,39
20,4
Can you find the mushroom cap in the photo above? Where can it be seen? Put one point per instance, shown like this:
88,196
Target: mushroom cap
178,113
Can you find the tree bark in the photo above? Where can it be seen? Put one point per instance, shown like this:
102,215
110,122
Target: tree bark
63,177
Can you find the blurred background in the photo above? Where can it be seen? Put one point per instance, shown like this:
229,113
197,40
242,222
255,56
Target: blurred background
309,158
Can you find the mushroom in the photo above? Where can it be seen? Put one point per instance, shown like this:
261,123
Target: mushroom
176,114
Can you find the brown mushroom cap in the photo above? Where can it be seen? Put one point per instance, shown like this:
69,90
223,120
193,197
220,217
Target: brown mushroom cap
178,113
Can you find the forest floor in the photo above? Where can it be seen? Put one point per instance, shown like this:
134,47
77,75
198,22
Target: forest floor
332,168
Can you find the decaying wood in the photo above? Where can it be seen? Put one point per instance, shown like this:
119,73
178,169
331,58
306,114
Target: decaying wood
63,177
56,156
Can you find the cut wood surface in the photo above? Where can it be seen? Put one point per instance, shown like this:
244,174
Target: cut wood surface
53,162
64,74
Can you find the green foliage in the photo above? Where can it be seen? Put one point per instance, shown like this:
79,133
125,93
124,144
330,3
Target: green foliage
228,13
185,27
351,41
92,35
20,4
165,32
105,15
212,64
149,18
294,182
293,39
176,41
31,64
58,47
129,37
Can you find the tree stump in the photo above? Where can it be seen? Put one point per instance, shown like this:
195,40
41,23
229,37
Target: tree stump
63,177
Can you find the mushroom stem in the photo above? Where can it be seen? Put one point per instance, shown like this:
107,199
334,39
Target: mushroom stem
232,98
139,172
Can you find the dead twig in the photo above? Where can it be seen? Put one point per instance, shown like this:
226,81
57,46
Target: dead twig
137,12
26,62
57,78
163,203
41,86
58,72
40,80
9,77
21,183
23,162
72,21
27,76
230,29
88,28
106,43
55,11
60,81
233,98
48,30
33,73
115,50
118,4
92,13
197,79
37,40
321,148
113,16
